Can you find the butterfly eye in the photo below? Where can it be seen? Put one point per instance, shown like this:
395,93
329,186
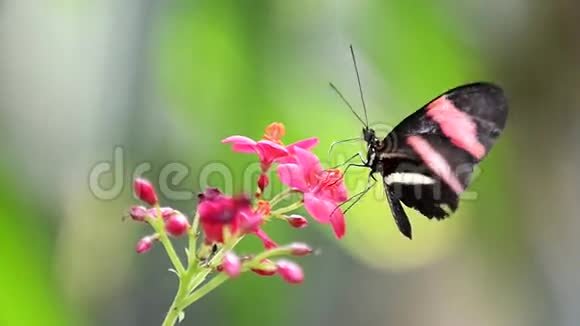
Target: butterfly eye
369,135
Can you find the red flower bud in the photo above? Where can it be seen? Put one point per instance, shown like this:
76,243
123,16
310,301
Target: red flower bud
300,249
138,213
176,224
290,271
297,221
144,244
263,182
145,191
231,265
264,272
266,268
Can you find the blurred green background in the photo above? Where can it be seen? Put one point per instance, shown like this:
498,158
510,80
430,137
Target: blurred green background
166,81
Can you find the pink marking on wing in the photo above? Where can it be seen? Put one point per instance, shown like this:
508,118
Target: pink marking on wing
435,161
457,125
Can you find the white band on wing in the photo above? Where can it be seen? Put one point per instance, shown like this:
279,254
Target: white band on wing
409,178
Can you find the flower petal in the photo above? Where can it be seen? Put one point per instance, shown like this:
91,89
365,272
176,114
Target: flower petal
341,194
241,144
309,163
271,150
307,143
291,158
338,223
213,233
292,175
336,192
268,243
249,220
319,208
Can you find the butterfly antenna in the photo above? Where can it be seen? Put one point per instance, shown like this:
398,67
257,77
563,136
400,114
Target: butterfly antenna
338,142
362,98
346,102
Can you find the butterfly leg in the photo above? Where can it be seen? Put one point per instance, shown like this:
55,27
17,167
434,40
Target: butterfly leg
359,155
358,196
355,165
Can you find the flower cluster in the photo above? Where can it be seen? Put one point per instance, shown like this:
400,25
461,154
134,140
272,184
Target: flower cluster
224,220
300,170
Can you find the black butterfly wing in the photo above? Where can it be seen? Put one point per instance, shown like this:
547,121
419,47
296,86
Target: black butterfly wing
398,212
471,116
431,186
437,148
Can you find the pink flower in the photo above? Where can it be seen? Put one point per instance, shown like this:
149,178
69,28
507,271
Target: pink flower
297,221
231,264
251,220
145,191
138,213
270,148
176,224
217,212
144,244
266,150
290,271
323,189
300,249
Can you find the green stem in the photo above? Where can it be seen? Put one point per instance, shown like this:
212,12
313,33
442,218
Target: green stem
174,310
188,281
197,279
171,253
267,254
207,288
191,255
191,280
194,276
158,224
281,196
288,208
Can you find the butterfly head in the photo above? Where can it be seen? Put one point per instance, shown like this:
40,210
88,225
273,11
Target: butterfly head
369,135
373,145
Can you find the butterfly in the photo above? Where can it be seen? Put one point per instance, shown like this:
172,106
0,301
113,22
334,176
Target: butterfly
428,159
